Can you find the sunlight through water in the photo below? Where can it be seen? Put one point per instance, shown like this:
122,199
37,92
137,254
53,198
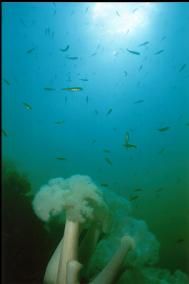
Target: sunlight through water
121,18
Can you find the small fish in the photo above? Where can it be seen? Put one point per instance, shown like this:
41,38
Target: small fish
182,67
133,52
93,54
127,144
117,13
133,197
60,158
139,102
109,111
84,80
125,72
161,151
134,10
104,184
65,49
27,106
180,241
30,50
7,82
47,31
140,68
144,43
22,22
87,99
49,89
96,111
138,189
4,133
72,89
59,122
130,145
163,129
86,10
72,57
106,151
158,52
108,160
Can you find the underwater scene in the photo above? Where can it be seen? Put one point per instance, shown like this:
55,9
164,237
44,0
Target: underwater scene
95,143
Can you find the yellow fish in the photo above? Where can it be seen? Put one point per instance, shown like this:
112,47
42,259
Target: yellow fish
72,89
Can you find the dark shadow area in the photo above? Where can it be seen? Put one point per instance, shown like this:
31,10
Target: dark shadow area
26,245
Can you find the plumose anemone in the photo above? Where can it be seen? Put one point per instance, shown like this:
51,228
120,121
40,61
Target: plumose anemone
79,201
102,243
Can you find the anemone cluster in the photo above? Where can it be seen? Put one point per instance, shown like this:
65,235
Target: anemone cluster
102,242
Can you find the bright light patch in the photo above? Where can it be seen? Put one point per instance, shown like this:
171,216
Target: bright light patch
120,18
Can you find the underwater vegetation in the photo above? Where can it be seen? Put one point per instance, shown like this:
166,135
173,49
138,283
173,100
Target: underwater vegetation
102,242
